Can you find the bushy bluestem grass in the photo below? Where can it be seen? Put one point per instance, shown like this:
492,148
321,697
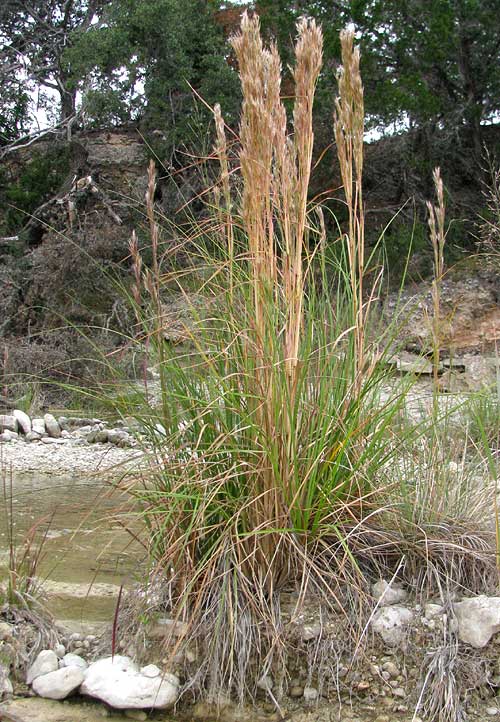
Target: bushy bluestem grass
269,437
272,434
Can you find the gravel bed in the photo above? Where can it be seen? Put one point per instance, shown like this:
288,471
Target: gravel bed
66,459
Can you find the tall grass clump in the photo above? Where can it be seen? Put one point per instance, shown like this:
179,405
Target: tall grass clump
271,430
269,434
442,487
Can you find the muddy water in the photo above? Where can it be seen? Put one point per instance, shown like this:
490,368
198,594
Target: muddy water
86,554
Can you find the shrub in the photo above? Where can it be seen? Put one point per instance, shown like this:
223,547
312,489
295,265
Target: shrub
39,180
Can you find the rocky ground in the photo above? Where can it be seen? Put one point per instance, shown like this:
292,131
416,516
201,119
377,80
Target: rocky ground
64,446
406,644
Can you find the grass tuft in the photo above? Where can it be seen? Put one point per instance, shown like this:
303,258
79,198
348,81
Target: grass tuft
282,463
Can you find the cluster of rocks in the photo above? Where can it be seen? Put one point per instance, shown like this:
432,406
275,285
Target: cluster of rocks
386,678
48,430
117,681
474,619
8,657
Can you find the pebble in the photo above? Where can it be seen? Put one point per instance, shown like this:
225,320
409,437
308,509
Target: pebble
399,692
310,631
74,660
296,691
60,650
391,669
33,436
492,711
151,670
310,694
6,630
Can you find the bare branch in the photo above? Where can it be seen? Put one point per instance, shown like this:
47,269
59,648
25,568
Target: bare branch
27,140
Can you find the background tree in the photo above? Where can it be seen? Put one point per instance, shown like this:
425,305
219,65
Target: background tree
432,64
425,64
140,61
14,103
36,33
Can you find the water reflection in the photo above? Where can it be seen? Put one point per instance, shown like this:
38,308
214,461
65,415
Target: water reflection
85,545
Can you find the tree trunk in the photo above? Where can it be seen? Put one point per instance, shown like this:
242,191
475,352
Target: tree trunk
68,103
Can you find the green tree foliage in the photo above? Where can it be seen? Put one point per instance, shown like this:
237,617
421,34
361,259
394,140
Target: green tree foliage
432,63
14,105
141,59
427,63
38,181
34,34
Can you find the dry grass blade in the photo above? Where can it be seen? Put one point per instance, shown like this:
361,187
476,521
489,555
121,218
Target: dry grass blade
349,134
436,219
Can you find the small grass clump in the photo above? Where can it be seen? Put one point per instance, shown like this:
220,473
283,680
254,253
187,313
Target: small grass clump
22,586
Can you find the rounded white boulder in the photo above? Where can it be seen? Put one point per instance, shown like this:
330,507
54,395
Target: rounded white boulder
391,623
118,682
45,662
58,684
23,420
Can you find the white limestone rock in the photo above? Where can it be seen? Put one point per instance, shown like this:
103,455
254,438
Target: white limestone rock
58,684
45,663
6,689
387,594
150,670
8,423
38,426
391,623
310,631
52,427
310,694
74,660
432,610
23,420
478,620
118,682
116,435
